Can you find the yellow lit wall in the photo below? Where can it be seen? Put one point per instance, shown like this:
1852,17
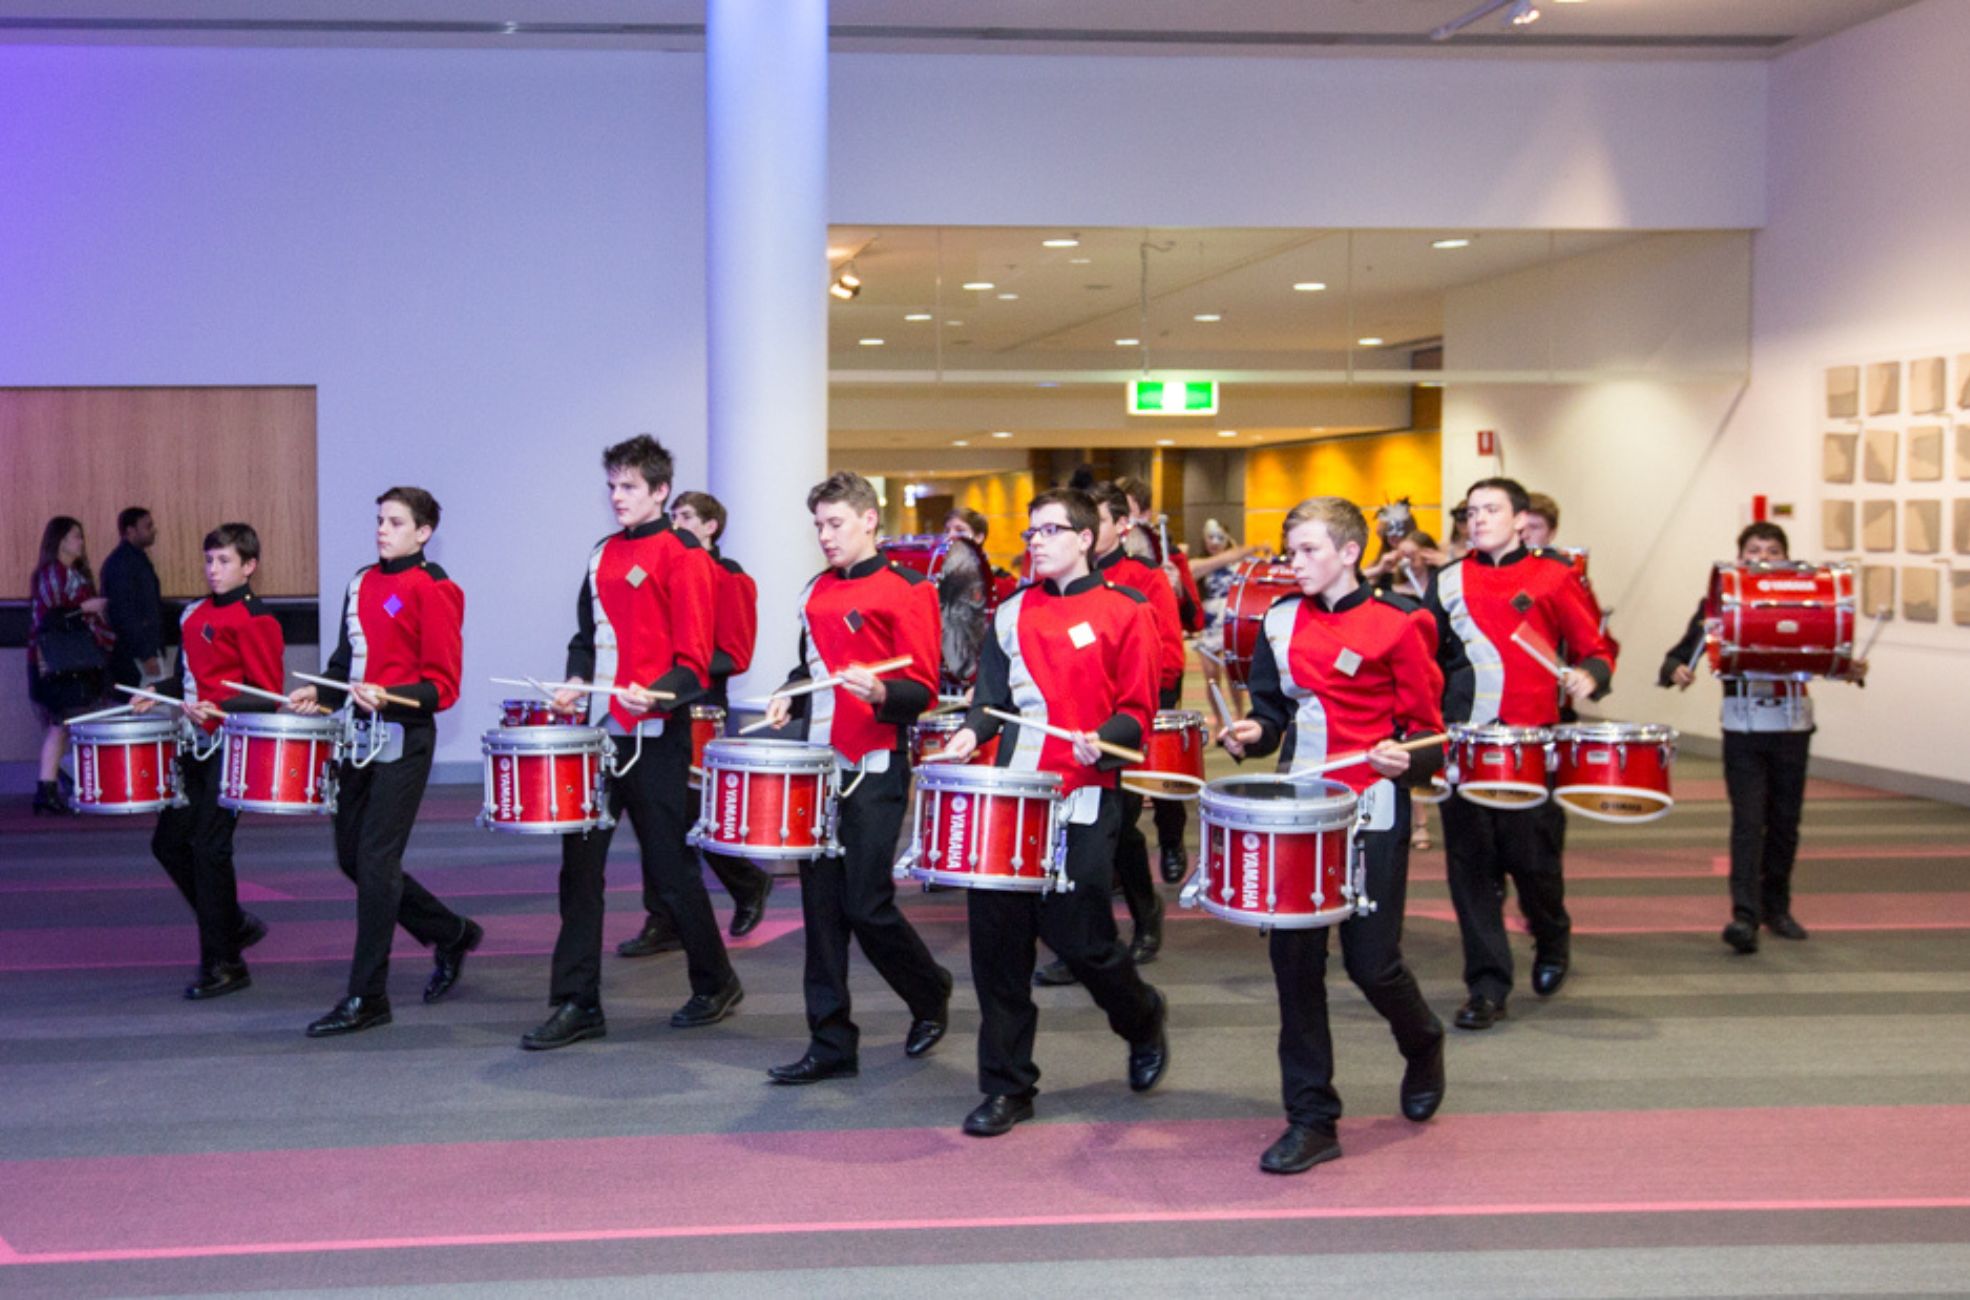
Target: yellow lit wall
1368,471
1002,499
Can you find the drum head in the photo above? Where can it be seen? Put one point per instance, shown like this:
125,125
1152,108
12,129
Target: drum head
1622,805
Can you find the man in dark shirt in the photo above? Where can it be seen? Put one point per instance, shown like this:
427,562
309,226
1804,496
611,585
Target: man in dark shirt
136,610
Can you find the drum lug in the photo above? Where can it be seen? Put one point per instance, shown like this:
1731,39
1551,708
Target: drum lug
1192,888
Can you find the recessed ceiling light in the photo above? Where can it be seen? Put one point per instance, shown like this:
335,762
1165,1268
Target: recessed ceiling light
1008,297
979,286
960,442
1310,286
955,324
1227,433
1166,442
1207,317
1001,433
835,254
1060,243
1450,243
870,343
1370,342
1128,343
1079,261
918,315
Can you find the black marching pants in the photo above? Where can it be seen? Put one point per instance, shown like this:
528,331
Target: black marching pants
1482,846
194,844
1169,814
1132,868
1371,951
655,795
1765,773
375,807
1080,926
854,895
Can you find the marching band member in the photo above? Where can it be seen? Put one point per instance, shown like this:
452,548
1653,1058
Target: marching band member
862,610
1074,651
735,628
1188,605
1541,526
1768,728
644,623
401,635
1345,670
230,635
1479,601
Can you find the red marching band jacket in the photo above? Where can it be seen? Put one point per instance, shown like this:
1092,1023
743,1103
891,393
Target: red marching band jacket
869,612
735,624
230,637
1344,679
1080,658
1479,603
645,617
1124,570
402,629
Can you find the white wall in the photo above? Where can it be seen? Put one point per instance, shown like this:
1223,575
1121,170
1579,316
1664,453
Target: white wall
1865,251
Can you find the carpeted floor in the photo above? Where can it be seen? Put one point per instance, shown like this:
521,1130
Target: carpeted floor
1678,1121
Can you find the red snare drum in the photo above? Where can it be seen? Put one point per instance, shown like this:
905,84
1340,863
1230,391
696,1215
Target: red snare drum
1782,620
125,765
529,713
1278,853
279,763
1174,758
546,780
1500,766
767,800
930,735
707,725
987,828
1255,585
1615,771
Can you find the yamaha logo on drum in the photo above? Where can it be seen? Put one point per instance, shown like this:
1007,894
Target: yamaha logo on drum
728,809
508,805
1248,871
1785,584
954,831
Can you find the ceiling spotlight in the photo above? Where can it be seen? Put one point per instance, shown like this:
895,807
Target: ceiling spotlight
979,286
1128,343
1079,261
1166,442
847,284
1524,14
918,315
960,442
955,324
1450,243
1207,318
1227,433
1521,14
1370,342
1008,297
870,343
1001,433
1309,286
1060,243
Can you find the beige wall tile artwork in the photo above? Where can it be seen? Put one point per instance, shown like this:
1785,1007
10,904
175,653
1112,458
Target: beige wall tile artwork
1878,525
1838,459
1921,593
1878,455
1877,589
1843,393
1959,597
1960,526
1884,388
1837,524
1922,527
1925,453
1925,386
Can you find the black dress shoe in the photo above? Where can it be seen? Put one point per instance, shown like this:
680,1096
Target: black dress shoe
450,960
351,1016
1422,1084
809,1070
1054,975
655,937
48,800
1149,1059
251,931
1479,1013
1743,936
746,916
570,1023
708,1009
997,1114
1146,945
1785,927
928,1032
1548,975
217,981
1174,863
1299,1149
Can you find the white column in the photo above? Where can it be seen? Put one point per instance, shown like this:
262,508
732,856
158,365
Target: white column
766,89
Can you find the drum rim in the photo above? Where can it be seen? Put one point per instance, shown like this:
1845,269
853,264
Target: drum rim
1499,733
756,754
1179,720
1226,808
976,778
313,726
711,712
164,727
1615,733
547,740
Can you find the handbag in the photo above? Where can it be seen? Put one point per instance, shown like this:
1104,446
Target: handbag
67,646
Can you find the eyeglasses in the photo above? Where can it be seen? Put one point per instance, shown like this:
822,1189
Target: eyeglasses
1048,531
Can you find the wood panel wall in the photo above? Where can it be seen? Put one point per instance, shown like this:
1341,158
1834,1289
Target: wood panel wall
194,457
1368,471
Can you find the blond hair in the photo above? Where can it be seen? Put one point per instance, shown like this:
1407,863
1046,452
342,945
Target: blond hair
1341,518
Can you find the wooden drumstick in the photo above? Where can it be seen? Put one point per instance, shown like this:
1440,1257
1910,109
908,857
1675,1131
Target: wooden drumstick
1874,633
1361,756
1218,702
153,696
1062,733
808,688
751,727
115,711
244,689
1539,655
590,688
378,691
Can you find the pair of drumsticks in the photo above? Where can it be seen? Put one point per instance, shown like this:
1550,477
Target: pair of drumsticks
275,696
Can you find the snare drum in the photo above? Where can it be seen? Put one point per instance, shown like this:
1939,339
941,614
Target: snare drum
126,765
988,828
546,780
280,763
1278,853
767,800
1615,771
529,713
707,725
1500,766
1255,585
930,735
1782,620
1173,766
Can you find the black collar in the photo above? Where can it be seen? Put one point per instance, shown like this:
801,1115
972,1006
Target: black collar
1109,560
660,524
1512,556
1345,603
874,564
233,597
1087,582
402,563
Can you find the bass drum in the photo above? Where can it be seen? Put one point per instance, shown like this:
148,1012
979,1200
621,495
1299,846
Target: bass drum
966,597
1255,585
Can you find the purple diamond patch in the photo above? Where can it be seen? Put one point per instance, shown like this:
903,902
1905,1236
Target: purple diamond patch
393,605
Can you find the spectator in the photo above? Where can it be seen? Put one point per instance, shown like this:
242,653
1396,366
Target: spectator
68,648
136,608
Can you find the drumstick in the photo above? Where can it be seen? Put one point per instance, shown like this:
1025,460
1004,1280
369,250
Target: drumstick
244,689
1062,733
1539,656
947,706
380,693
1219,703
1874,633
589,688
751,727
116,711
143,694
942,756
1349,760
808,688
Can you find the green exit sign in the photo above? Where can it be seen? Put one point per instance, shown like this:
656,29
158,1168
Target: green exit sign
1173,397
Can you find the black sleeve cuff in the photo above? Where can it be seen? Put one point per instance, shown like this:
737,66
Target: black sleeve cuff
1667,677
1270,735
1603,675
1423,764
721,665
581,664
904,701
981,724
1121,729
247,704
680,682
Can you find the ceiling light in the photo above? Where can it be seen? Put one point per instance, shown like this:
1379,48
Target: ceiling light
1524,14
955,324
1060,243
870,343
960,442
1450,243
1001,433
1008,297
1128,343
1166,442
1370,342
979,286
1079,261
847,284
834,253
918,315
1207,318
1309,286
1227,433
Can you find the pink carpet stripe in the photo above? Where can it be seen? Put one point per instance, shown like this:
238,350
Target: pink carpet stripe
704,1185
1705,912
